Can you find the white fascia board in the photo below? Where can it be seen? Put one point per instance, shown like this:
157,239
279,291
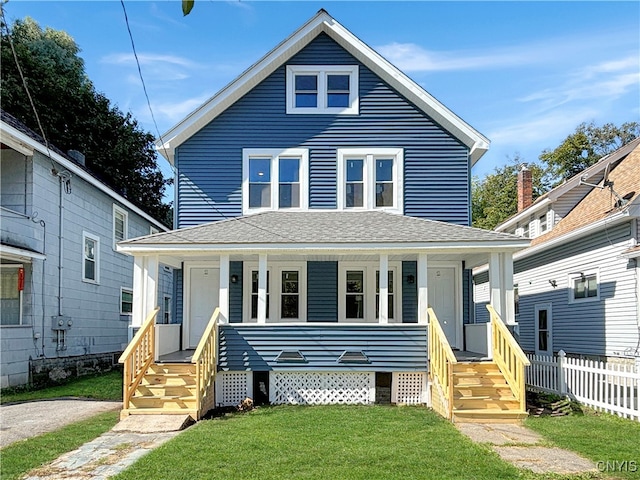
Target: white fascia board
20,253
523,215
76,170
322,22
580,232
305,248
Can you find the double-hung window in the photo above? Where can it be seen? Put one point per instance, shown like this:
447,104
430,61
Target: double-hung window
286,292
126,301
324,89
583,287
274,179
370,178
359,292
120,225
90,258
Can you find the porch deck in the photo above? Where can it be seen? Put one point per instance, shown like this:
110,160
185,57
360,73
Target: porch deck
181,356
467,356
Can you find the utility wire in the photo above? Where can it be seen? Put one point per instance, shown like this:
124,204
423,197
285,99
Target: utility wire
24,84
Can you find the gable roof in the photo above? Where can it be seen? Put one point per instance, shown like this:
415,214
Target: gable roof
601,203
324,229
322,22
17,136
593,174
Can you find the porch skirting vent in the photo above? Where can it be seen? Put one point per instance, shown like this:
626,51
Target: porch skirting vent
322,388
233,387
409,388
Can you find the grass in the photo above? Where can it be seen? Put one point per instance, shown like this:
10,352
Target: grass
25,455
105,386
599,437
337,442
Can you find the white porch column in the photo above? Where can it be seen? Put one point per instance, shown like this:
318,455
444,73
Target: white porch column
137,313
151,285
223,299
423,293
383,297
507,290
496,283
262,288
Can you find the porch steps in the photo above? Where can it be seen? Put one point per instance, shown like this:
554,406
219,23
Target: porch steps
166,388
481,395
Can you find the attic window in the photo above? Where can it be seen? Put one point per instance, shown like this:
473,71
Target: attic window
324,89
353,356
290,356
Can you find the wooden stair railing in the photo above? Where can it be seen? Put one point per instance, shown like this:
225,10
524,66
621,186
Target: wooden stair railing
441,362
509,357
205,360
138,356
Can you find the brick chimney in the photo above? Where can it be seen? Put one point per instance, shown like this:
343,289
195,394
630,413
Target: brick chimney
525,188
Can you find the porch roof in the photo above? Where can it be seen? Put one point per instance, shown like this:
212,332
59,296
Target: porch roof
370,229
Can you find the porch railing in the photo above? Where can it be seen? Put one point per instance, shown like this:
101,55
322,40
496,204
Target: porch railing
205,359
137,357
441,361
509,357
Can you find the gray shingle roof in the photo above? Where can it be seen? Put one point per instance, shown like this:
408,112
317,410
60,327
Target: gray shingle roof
325,227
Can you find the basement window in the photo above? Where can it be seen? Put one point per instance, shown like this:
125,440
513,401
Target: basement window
353,356
290,356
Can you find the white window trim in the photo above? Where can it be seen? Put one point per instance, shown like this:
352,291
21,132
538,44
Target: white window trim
125,214
275,154
20,295
153,230
322,71
549,308
370,269
574,276
275,270
96,260
129,290
166,310
369,193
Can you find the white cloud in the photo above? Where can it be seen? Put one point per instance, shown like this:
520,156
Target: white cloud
173,111
147,59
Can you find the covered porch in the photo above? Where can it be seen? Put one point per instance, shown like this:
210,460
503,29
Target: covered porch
335,286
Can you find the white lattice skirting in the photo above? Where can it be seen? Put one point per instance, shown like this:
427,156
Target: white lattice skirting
409,388
233,387
322,388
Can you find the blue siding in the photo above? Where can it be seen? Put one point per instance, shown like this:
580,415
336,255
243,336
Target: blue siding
210,163
179,295
467,298
409,293
391,348
235,293
322,291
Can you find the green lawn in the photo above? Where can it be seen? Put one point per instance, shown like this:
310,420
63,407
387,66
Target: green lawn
599,437
105,386
328,442
20,457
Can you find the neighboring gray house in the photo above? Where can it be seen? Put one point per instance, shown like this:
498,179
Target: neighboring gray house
578,284
323,204
66,292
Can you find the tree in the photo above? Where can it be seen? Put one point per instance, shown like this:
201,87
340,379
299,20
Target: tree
584,147
75,116
495,197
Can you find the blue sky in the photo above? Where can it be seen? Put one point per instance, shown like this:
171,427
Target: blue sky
524,74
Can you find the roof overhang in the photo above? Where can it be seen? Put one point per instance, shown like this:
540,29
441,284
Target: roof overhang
20,254
24,144
322,22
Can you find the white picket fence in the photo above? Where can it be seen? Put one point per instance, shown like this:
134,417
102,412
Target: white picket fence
608,387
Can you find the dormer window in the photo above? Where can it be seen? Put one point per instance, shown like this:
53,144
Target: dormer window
274,180
324,89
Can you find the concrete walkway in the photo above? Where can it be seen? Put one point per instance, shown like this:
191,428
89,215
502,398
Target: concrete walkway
522,447
113,451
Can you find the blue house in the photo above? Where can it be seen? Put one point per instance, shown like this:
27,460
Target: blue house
322,206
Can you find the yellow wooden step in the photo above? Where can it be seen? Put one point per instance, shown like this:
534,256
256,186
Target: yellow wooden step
502,405
172,368
169,379
475,367
165,390
488,416
161,403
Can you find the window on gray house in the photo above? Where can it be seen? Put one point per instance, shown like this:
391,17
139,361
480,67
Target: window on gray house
355,183
259,182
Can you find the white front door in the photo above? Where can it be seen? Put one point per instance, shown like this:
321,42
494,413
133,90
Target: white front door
544,343
204,290
443,298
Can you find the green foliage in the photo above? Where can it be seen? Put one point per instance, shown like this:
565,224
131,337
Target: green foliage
187,6
106,386
75,116
327,442
495,198
588,144
25,455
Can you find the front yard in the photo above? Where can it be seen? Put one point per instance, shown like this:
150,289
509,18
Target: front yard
328,442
